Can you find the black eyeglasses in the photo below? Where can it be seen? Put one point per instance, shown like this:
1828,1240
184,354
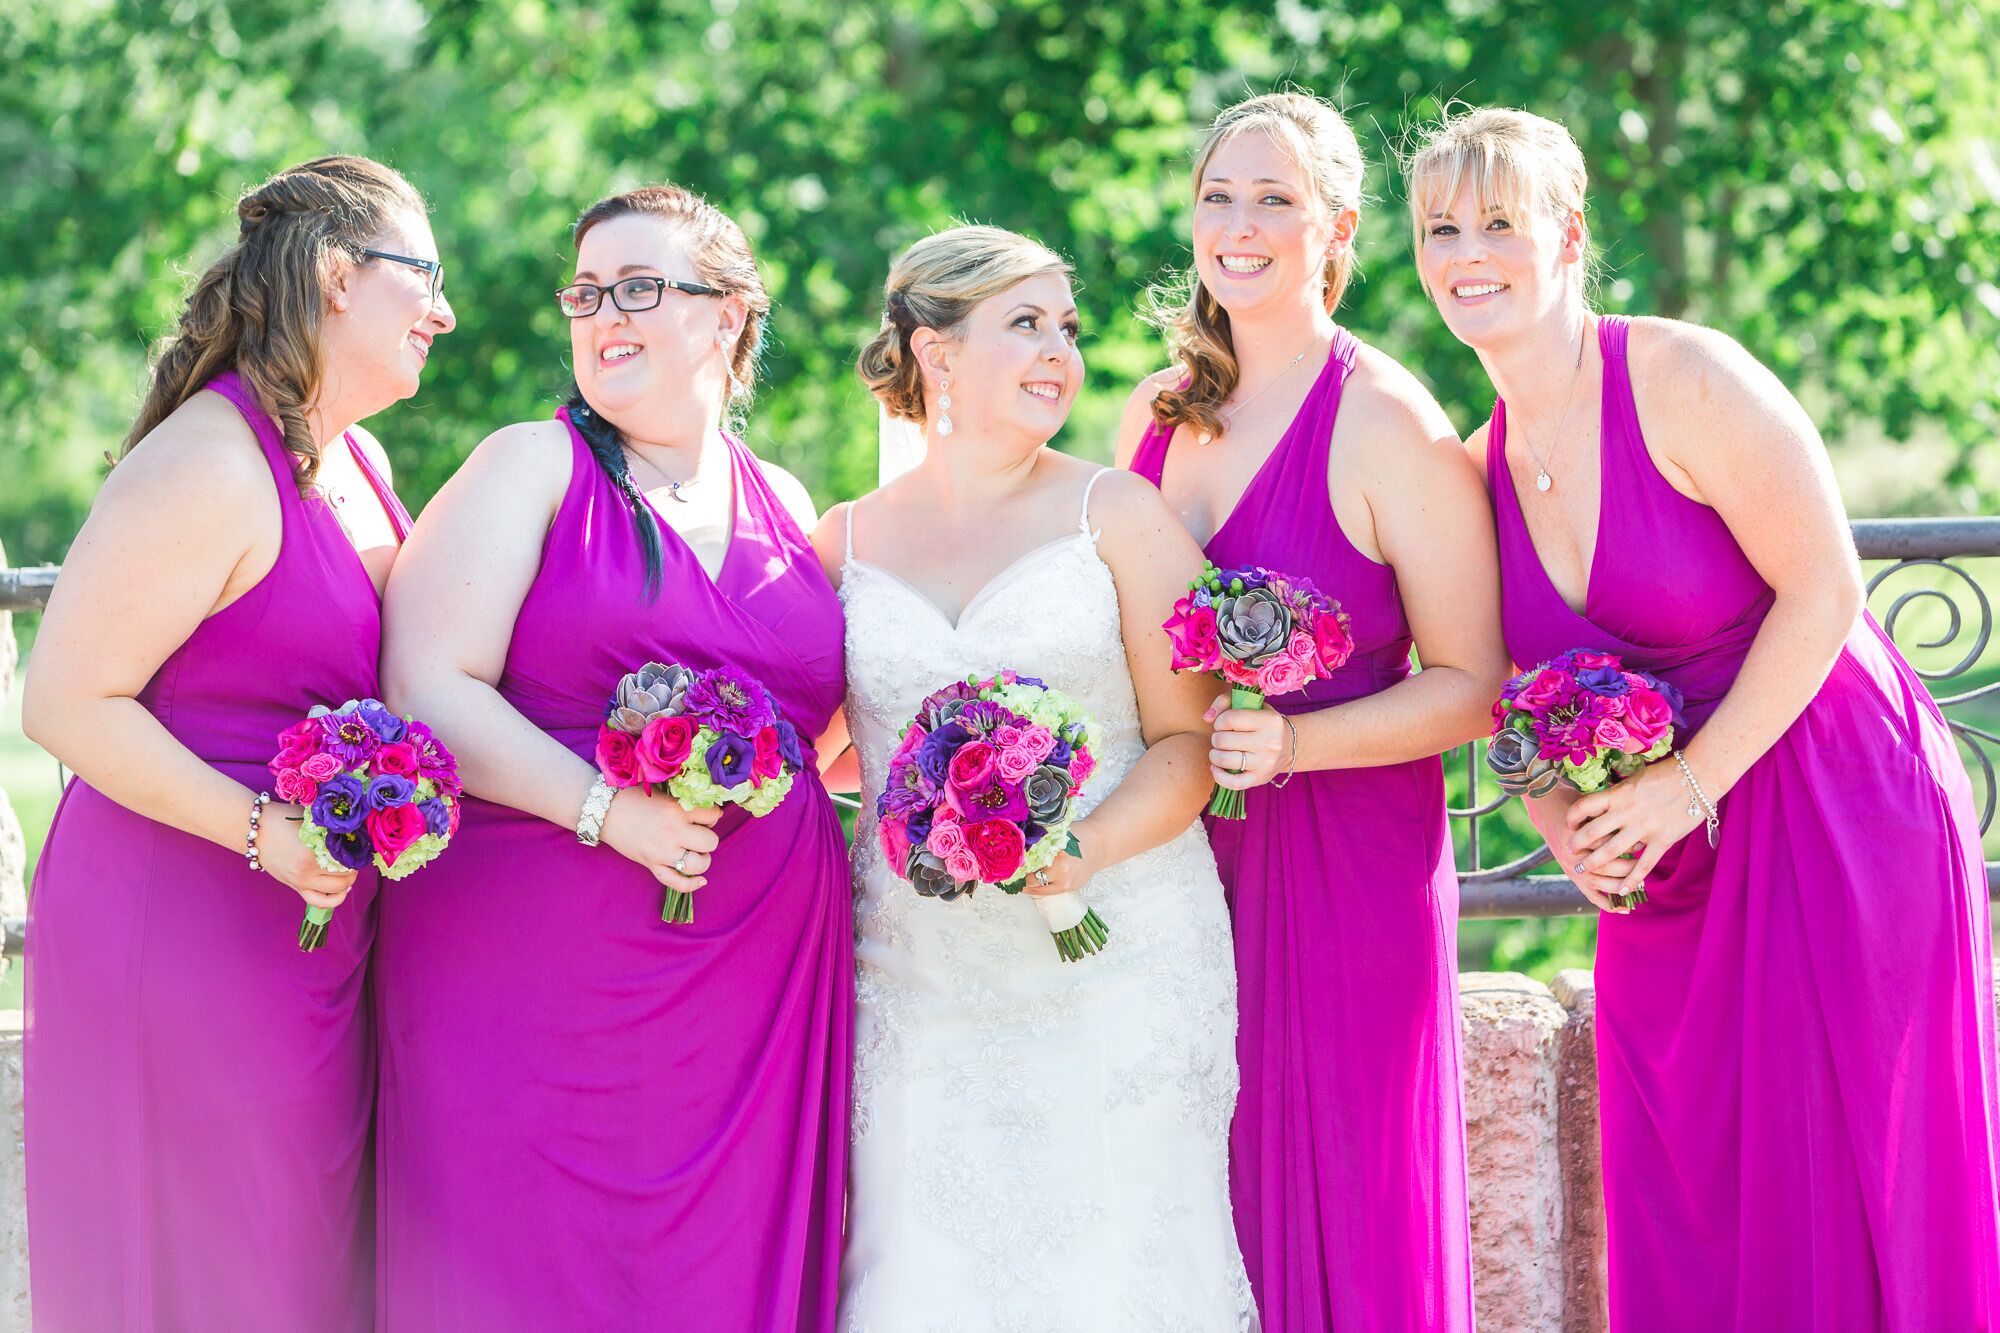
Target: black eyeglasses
430,266
581,299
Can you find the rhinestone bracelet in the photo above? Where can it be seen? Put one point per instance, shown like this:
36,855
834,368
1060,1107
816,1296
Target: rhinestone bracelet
1699,806
250,839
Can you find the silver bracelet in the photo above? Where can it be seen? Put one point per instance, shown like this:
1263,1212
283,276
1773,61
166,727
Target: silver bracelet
590,823
1699,806
1293,766
262,799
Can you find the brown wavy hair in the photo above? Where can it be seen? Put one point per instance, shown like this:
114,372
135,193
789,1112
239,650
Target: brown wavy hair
934,285
260,308
1194,322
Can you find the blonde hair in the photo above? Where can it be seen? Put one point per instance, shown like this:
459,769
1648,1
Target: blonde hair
1524,163
934,285
259,309
1196,326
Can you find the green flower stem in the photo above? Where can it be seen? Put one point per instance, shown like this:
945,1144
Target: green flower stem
1086,937
677,908
312,930
1227,803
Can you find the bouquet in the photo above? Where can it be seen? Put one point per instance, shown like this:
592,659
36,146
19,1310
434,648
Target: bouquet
377,789
1261,631
709,738
1580,718
982,790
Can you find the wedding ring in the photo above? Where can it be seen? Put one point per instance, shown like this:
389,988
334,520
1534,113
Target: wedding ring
1239,764
681,864
1041,877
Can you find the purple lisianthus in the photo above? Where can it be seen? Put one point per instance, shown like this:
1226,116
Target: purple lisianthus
385,724
1060,756
920,825
788,745
934,755
1605,680
1673,694
437,817
728,701
729,759
340,806
352,850
349,738
390,790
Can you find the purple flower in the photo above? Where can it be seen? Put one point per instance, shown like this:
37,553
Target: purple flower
1609,681
1673,694
437,818
920,822
349,738
907,792
341,805
729,701
788,745
934,755
1060,756
728,760
995,798
350,849
981,716
943,704
385,724
390,790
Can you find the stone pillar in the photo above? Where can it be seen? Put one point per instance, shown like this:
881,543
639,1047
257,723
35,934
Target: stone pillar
1584,1300
1513,1038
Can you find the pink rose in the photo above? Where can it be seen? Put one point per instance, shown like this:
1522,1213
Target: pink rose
1038,741
452,808
1236,673
398,758
1196,645
1614,733
1007,736
1015,764
1587,661
893,837
768,762
1331,641
962,864
296,743
1548,687
320,767
618,758
1648,716
296,787
912,738
1081,765
972,767
664,746
1282,675
393,830
998,846
1634,681
947,836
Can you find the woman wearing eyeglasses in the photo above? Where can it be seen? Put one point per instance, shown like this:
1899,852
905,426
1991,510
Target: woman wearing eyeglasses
591,1118
199,1092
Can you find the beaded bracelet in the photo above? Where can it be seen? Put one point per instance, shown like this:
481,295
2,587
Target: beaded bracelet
1293,766
263,799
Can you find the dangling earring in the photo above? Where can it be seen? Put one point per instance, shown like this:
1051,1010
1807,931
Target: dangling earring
944,406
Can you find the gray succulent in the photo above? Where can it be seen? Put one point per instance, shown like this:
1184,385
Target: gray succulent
1254,626
1047,791
928,876
654,690
1514,758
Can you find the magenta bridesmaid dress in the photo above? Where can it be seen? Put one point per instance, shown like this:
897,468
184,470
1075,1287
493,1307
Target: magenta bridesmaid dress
1795,1034
591,1119
1347,1154
200,1093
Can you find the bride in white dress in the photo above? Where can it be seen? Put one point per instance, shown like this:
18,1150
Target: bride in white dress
1038,1145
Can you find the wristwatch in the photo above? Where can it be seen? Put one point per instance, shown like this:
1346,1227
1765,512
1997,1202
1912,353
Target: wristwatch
595,806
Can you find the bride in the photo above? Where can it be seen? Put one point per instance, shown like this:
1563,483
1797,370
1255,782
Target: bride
1037,1144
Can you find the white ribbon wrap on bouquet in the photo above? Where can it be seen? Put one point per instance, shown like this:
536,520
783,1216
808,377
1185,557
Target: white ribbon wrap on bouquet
1062,911
899,447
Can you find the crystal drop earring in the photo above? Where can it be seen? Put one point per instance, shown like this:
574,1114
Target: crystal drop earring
944,406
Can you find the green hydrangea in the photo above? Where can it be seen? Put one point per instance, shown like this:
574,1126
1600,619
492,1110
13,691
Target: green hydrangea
414,858
314,837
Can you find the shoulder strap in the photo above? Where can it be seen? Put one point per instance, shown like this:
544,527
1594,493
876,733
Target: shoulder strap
1083,519
848,554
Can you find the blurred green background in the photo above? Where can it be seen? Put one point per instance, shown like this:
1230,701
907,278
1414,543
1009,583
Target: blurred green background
1820,179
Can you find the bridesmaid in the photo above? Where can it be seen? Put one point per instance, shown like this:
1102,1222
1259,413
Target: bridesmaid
199,1092
591,1119
1795,1032
1282,440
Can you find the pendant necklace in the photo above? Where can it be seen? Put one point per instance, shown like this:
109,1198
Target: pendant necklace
1543,481
1230,416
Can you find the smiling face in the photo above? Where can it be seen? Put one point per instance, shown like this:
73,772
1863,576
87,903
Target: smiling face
1497,269
1262,236
379,329
639,366
1014,365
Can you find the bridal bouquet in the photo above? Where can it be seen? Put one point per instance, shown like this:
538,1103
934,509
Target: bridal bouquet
378,789
1582,719
708,738
1261,631
982,790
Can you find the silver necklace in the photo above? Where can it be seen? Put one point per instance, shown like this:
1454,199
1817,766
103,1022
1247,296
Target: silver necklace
1543,481
673,487
1229,417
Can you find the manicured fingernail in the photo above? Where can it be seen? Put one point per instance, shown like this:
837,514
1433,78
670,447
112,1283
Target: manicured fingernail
1579,867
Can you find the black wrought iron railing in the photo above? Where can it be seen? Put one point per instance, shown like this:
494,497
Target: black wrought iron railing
1931,605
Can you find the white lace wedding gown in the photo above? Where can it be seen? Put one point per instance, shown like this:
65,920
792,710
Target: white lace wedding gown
1038,1145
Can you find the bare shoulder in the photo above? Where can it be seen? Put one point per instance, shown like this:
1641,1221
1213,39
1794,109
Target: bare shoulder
535,453
1138,413
791,493
1700,384
1389,420
371,448
829,539
203,457
1125,505
1475,446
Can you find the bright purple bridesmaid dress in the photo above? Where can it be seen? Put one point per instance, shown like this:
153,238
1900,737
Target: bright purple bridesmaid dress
591,1119
199,1092
1795,1034
1347,1154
